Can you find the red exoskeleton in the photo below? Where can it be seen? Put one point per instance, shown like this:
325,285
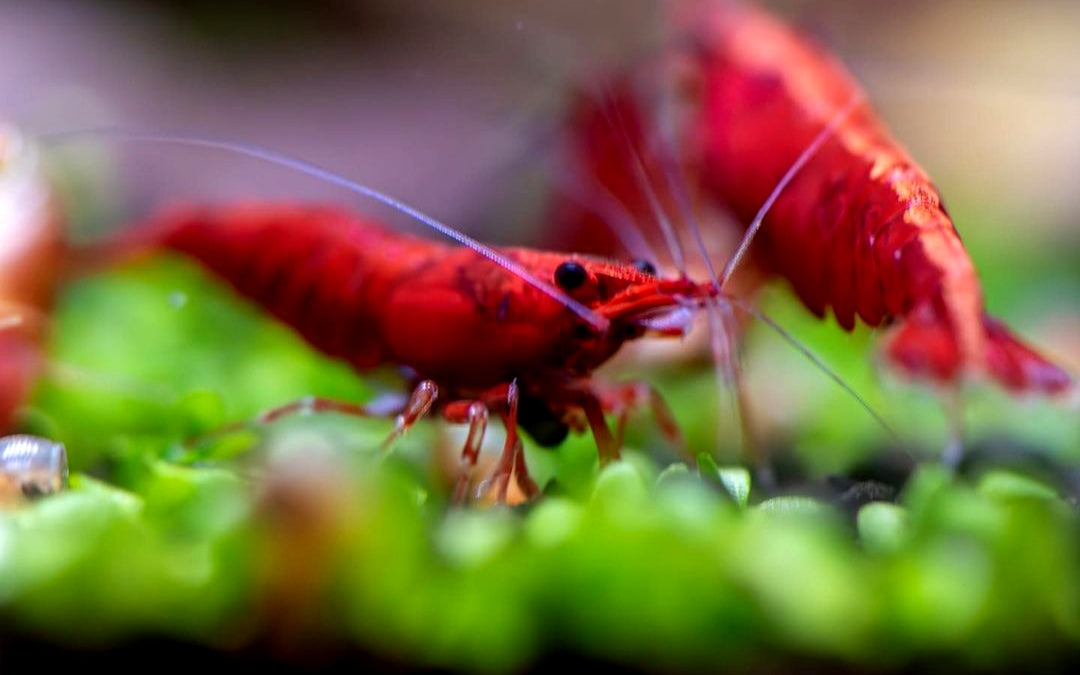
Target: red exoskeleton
772,129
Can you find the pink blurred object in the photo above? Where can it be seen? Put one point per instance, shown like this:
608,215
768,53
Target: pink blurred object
31,248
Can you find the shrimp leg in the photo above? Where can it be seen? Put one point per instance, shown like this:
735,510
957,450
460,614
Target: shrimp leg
512,460
621,399
471,412
420,402
475,414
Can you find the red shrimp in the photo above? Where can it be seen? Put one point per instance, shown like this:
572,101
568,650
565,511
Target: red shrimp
771,126
519,338
31,252
852,221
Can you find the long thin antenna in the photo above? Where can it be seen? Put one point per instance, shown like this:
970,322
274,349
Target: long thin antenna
304,167
665,140
599,200
807,154
813,358
726,369
618,125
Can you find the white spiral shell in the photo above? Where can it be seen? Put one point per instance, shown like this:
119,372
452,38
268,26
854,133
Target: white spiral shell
31,466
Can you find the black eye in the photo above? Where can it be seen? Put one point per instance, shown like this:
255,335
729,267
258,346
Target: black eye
570,275
644,266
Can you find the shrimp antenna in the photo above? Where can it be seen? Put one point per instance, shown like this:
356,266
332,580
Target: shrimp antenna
807,154
618,124
722,340
812,357
598,200
676,181
305,167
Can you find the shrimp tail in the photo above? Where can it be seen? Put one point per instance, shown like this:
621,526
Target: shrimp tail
924,346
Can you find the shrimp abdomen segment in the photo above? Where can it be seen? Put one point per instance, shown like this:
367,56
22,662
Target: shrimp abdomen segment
319,270
860,227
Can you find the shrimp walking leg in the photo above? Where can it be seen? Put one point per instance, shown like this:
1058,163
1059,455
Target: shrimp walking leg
475,414
512,460
622,399
593,407
528,485
420,402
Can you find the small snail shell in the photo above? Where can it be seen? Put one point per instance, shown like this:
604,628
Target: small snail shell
31,466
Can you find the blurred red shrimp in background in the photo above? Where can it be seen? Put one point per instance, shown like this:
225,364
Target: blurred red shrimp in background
31,250
858,225
771,126
623,187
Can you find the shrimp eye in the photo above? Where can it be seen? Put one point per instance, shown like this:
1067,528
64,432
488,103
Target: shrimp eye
570,275
644,266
